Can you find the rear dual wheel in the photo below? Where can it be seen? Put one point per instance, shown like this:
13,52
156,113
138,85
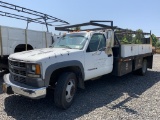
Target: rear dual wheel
142,71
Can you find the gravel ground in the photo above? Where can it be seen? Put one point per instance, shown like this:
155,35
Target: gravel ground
129,97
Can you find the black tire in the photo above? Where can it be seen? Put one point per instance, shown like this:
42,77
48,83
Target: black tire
65,90
142,71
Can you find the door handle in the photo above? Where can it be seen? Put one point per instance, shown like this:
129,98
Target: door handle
110,55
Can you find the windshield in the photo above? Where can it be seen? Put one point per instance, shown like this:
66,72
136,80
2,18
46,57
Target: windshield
71,41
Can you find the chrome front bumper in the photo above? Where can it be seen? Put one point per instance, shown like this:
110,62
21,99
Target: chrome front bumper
11,88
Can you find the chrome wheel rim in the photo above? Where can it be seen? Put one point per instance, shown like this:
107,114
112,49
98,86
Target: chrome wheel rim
70,90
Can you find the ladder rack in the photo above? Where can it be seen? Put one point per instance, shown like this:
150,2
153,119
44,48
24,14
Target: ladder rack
39,17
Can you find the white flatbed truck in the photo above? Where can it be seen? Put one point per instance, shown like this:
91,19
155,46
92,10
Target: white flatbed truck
76,58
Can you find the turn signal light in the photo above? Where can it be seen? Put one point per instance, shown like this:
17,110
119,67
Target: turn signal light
38,70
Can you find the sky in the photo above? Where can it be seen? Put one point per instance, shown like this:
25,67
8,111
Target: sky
132,14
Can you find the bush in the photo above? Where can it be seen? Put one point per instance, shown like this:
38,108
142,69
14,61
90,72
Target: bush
158,44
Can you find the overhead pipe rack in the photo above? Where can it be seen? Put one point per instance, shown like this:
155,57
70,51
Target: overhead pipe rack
40,18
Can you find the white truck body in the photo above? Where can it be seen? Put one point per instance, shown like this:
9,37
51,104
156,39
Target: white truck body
11,37
128,50
101,64
95,63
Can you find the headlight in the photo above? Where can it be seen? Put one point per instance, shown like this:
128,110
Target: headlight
33,70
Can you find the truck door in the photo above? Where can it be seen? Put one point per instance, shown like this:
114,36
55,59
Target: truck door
97,62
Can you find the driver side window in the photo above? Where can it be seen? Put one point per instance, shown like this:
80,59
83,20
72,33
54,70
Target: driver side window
97,42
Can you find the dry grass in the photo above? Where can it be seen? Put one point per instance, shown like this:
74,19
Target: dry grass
158,50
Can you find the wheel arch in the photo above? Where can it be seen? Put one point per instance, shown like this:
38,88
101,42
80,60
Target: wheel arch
22,47
71,66
149,61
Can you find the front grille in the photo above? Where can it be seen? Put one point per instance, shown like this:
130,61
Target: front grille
18,71
17,64
22,65
22,73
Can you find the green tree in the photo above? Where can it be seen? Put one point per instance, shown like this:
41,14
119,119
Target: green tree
125,37
128,37
138,36
124,41
154,40
158,44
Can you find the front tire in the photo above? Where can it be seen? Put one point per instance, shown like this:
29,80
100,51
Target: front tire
65,90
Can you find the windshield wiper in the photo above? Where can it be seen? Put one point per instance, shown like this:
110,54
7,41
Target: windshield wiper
66,46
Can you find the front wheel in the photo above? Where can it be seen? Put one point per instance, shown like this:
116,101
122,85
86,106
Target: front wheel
65,90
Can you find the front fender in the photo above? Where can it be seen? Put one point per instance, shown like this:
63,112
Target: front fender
59,65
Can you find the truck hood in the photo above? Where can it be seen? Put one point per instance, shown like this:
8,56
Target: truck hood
40,54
